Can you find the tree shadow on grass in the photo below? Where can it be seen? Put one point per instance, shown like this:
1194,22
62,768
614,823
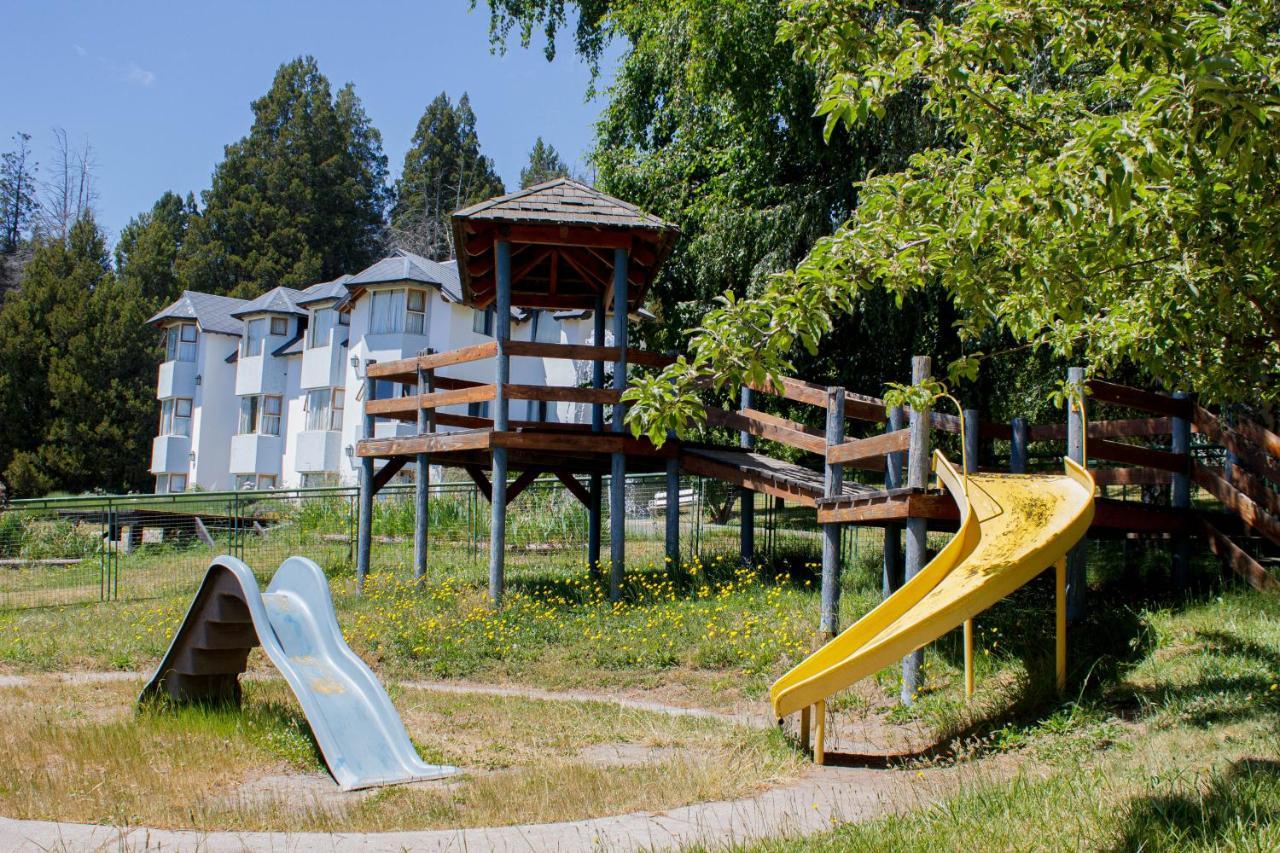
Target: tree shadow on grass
1237,804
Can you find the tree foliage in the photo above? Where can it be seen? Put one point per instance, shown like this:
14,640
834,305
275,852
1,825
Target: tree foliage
301,199
18,200
150,245
1107,190
444,170
544,165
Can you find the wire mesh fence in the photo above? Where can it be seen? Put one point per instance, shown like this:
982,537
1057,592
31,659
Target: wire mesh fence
61,551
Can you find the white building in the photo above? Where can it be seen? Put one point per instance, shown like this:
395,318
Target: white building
265,393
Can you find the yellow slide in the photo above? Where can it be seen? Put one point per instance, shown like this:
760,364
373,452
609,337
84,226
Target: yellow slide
1012,528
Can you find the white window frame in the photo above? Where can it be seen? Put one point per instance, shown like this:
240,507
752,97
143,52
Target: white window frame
386,312
172,421
415,318
281,323
314,335
328,415
482,321
181,483
179,342
259,420
249,344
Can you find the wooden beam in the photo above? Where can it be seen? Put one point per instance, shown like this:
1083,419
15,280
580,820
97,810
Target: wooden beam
1240,562
540,254
1131,477
891,508
435,400
387,471
482,482
583,444
1141,427
875,447
476,422
1131,454
556,394
1255,487
732,474
1237,502
596,278
768,427
521,483
435,442
575,488
1246,453
409,366
1136,398
555,234
1259,435
586,352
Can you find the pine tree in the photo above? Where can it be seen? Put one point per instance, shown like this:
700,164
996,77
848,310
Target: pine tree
443,171
544,164
300,199
149,246
18,204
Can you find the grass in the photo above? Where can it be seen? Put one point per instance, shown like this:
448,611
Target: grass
80,752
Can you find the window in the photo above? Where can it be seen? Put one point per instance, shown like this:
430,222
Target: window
255,337
180,342
255,481
175,417
279,326
260,415
387,311
266,481
324,409
415,314
482,322
177,482
546,328
344,318
478,410
322,328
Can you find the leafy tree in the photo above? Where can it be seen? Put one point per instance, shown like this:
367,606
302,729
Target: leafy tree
545,164
149,247
77,374
18,202
300,199
443,171
1107,190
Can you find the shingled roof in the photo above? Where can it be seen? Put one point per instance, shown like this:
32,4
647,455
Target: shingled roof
563,235
402,265
277,300
324,290
211,313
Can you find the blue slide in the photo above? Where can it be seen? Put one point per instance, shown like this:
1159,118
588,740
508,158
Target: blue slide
363,741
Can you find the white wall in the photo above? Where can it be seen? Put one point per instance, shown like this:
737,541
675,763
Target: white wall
217,413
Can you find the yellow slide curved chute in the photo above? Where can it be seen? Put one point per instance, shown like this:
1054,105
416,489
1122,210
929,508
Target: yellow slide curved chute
1012,528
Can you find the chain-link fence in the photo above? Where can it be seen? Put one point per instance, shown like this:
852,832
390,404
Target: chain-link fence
59,551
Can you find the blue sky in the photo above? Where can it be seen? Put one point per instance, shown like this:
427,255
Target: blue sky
159,88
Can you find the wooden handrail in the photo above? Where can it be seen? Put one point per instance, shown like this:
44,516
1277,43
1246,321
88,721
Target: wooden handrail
1137,398
1133,427
877,446
770,427
586,352
1237,501
1131,477
561,394
1132,454
410,405
1239,561
406,369
1230,438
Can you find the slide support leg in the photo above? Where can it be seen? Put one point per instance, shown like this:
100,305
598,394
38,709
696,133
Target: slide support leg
1060,626
805,716
820,732
968,658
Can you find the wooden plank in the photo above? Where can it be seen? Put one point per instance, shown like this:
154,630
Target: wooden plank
462,355
768,427
1255,487
565,235
476,473
1131,454
585,444
935,507
575,488
1136,398
435,400
1259,435
1240,562
555,394
1105,429
1237,502
435,442
877,446
586,352
1246,453
1137,517
476,422
387,471
1131,477
730,474
521,483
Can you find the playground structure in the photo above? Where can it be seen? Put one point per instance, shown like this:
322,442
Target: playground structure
566,246
359,733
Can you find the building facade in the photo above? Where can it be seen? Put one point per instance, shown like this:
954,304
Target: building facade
264,393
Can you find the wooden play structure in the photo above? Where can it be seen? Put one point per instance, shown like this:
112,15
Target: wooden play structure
563,245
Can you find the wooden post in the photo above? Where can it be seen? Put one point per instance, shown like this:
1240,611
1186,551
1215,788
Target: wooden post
673,513
1018,446
596,484
1180,497
832,485
421,485
805,714
1060,624
972,437
1077,568
747,515
502,375
618,471
364,533
918,452
892,576
968,659
820,732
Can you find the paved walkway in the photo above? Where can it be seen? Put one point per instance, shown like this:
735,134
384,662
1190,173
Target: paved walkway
819,799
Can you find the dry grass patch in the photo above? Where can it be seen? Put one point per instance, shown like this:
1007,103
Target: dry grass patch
80,752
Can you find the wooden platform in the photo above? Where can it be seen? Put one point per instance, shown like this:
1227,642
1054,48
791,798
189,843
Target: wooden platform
762,473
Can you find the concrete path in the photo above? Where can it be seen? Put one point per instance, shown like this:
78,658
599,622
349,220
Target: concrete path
820,799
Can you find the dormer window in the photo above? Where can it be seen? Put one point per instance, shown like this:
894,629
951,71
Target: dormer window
255,337
398,311
179,342
416,312
279,326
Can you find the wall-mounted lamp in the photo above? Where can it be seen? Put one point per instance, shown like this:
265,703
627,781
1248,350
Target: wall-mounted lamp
350,451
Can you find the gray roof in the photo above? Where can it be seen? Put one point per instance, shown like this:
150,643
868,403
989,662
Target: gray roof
277,300
402,265
562,201
211,313
324,290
